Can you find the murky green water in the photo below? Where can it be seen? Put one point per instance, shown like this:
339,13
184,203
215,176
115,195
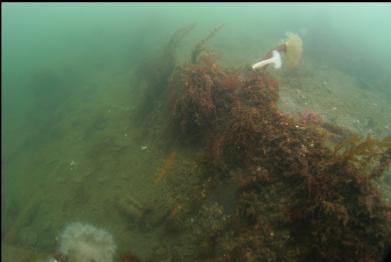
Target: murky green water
73,149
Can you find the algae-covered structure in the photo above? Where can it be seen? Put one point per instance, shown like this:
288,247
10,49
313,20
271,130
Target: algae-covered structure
266,186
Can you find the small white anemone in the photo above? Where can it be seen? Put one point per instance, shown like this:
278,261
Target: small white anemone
52,259
275,60
83,243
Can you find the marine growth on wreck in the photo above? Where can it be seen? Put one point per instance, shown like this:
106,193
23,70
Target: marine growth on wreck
268,186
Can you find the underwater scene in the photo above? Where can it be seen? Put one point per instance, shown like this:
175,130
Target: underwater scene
196,132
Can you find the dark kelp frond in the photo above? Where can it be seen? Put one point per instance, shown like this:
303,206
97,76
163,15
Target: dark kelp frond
200,47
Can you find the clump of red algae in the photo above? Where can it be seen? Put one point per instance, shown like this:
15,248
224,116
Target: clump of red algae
291,197
308,117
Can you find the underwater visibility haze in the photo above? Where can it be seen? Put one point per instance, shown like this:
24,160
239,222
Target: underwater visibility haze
196,132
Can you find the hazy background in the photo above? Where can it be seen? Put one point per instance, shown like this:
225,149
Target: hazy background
76,40
70,147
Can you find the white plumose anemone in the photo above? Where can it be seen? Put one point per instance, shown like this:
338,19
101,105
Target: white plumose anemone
275,60
85,243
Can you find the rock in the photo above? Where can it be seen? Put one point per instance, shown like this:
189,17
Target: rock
132,208
144,216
